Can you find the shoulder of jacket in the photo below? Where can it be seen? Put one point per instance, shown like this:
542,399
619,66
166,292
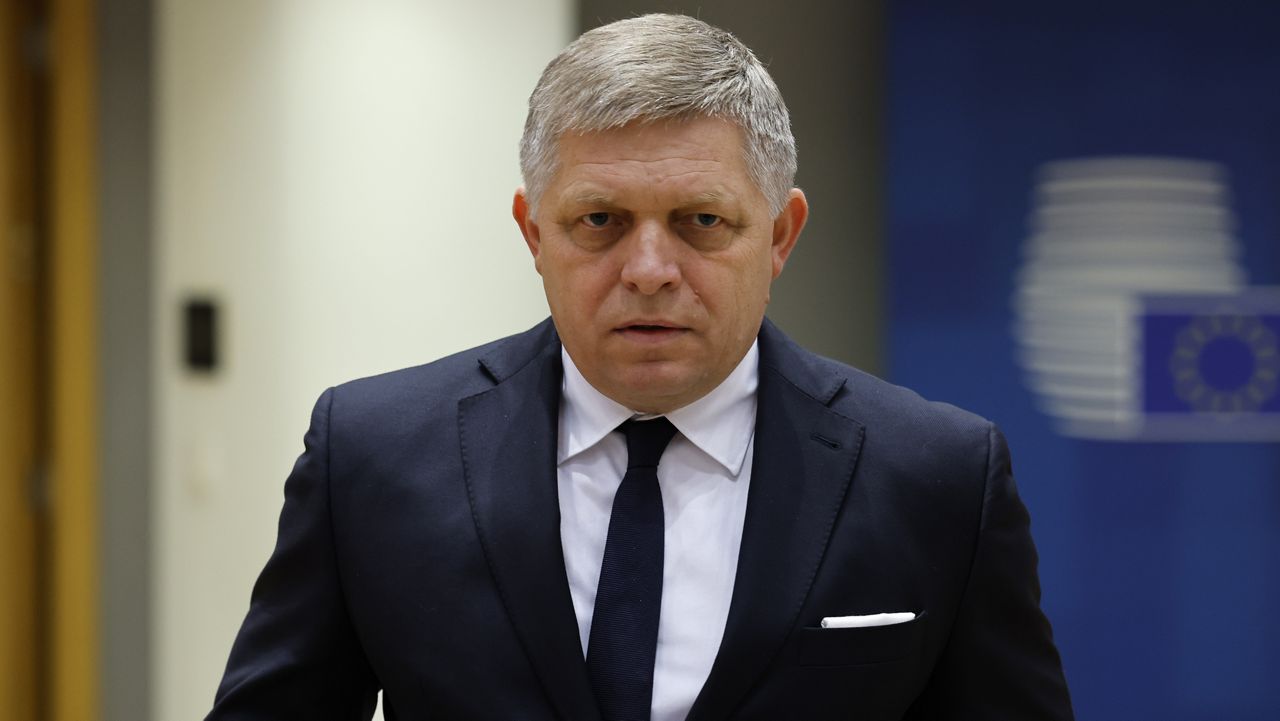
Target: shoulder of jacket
447,379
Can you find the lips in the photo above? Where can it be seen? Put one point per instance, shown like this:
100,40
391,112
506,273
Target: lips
649,326
650,330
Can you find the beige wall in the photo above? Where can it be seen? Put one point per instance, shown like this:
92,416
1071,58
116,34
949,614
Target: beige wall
337,175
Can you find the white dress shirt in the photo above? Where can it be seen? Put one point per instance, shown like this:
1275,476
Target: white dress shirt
704,475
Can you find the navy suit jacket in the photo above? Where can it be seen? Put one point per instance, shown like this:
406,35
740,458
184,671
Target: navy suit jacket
419,553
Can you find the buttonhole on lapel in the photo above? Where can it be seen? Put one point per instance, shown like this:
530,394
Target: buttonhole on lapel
825,441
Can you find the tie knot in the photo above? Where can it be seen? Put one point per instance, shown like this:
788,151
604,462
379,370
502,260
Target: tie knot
646,440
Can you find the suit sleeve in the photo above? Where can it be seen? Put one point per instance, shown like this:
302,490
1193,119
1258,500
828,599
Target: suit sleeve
297,655
1000,663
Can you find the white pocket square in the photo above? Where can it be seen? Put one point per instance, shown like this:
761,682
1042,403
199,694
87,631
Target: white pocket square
875,619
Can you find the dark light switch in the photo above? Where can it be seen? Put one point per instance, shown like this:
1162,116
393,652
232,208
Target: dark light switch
201,331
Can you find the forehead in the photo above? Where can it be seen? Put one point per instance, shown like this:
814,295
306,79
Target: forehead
703,156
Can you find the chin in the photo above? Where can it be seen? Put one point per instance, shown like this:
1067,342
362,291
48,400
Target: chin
657,390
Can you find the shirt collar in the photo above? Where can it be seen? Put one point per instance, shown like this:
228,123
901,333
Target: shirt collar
720,424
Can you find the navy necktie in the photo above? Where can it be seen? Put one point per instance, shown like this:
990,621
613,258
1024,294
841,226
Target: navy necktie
624,625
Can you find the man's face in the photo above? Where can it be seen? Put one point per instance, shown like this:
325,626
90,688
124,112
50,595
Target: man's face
656,251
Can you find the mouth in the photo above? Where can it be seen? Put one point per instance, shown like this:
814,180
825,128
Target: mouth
650,330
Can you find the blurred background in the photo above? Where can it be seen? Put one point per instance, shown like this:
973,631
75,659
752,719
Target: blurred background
1063,216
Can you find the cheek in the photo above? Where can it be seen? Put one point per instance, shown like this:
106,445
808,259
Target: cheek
576,286
743,286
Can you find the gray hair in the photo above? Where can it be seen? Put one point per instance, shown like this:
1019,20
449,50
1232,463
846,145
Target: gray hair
658,67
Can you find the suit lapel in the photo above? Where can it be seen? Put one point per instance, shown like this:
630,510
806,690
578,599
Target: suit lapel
509,459
803,462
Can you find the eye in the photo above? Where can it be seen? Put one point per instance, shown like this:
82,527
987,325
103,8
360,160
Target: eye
706,220
596,220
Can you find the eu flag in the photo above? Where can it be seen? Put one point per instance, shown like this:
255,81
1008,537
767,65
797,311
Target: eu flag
1211,364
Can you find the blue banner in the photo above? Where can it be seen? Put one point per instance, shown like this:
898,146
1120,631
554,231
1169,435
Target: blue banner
1212,354
1083,233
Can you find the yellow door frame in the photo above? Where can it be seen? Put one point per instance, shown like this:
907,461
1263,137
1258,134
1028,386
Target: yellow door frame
73,436
20,402
49,626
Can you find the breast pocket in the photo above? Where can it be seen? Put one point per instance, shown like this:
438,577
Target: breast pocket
859,646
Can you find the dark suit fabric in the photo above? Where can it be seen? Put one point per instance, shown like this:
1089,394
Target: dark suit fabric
419,552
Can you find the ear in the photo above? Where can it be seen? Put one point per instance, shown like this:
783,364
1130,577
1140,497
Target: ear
528,226
787,227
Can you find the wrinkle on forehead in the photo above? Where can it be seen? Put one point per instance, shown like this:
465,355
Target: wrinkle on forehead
682,166
685,165
587,193
602,180
698,143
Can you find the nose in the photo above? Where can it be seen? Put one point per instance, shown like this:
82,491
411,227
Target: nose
651,262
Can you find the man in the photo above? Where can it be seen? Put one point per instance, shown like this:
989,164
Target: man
651,505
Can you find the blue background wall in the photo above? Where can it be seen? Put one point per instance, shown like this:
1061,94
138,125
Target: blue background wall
1160,563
